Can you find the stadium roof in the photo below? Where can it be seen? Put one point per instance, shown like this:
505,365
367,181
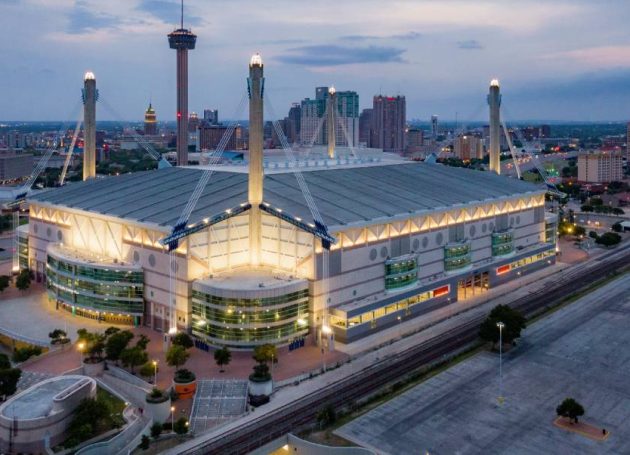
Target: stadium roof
343,196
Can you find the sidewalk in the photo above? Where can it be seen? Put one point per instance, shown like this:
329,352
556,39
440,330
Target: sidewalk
291,394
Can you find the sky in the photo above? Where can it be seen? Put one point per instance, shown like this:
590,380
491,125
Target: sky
556,59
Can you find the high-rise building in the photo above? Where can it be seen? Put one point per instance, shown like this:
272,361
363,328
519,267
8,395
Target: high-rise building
435,130
211,116
601,166
210,136
193,122
415,140
365,127
90,95
389,123
150,122
494,102
182,40
314,125
467,147
292,123
628,144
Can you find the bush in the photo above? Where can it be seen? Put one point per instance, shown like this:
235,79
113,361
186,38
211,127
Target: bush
617,227
9,378
145,442
23,280
156,430
261,373
593,234
181,425
156,396
25,353
608,239
4,362
4,282
183,376
326,416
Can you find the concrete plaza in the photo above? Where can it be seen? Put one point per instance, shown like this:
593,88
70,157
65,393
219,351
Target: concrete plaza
579,351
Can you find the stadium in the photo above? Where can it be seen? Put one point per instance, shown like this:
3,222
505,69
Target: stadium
337,248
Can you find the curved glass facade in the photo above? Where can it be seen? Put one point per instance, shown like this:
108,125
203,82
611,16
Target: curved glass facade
456,256
96,288
246,322
502,243
401,272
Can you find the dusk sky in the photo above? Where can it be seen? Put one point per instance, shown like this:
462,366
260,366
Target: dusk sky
556,60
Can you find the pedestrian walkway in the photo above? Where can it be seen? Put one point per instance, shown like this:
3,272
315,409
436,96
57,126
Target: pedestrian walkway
217,402
30,378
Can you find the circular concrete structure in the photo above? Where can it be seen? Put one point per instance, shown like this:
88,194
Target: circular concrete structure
249,308
40,415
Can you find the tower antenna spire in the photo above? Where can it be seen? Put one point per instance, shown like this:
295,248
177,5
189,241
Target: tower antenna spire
182,17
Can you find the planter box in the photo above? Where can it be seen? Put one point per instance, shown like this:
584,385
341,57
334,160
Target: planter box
185,389
159,410
94,369
260,388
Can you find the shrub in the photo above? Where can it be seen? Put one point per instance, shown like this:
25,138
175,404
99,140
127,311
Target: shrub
25,353
608,239
145,442
4,282
181,426
156,430
156,396
514,322
183,376
261,373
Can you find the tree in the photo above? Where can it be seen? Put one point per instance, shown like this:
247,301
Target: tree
184,340
514,322
4,282
145,442
109,331
222,356
617,227
176,356
587,208
617,211
148,370
143,341
57,335
156,430
9,379
116,343
23,280
608,239
571,409
593,234
133,357
181,426
5,363
265,353
326,416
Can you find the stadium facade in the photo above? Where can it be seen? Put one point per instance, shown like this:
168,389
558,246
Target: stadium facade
404,239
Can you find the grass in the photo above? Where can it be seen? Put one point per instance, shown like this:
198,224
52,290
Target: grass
112,421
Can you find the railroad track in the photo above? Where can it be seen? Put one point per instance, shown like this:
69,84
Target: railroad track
283,420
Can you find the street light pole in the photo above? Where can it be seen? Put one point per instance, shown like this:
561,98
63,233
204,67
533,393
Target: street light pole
155,369
500,325
173,419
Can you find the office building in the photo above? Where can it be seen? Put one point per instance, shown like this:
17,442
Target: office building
600,166
211,116
389,123
467,147
365,127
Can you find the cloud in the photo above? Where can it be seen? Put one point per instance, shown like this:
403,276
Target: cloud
409,36
470,45
283,41
331,55
168,11
595,57
82,19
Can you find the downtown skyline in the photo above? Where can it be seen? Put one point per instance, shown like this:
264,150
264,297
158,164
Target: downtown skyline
561,61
